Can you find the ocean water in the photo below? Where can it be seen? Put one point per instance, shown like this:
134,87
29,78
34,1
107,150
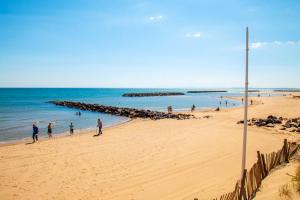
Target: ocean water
21,107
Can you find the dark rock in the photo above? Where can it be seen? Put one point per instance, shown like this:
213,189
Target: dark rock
270,125
205,91
152,94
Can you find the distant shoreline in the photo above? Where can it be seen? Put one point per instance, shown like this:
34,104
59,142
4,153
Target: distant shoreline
205,91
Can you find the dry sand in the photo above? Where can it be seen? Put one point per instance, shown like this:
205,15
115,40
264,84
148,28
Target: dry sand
276,180
144,159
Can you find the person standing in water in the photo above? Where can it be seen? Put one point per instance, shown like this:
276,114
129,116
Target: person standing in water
35,132
71,128
50,130
193,108
226,103
99,126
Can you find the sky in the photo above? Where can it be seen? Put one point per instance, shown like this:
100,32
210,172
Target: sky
158,43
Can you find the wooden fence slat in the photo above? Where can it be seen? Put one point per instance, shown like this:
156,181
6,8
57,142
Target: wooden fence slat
257,175
286,154
277,160
264,164
270,160
254,177
249,189
273,160
260,164
250,183
242,190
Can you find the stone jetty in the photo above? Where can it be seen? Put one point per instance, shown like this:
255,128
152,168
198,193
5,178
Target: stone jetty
205,91
126,112
152,94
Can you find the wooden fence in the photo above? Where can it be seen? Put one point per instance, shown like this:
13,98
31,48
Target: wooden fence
246,188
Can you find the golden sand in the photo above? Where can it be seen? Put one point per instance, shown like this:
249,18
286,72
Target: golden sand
144,159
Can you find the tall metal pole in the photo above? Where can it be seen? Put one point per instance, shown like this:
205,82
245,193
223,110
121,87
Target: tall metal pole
245,108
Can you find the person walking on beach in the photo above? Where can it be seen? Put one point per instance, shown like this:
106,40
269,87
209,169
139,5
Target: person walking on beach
193,108
242,100
50,130
35,133
99,126
71,128
251,102
170,109
226,103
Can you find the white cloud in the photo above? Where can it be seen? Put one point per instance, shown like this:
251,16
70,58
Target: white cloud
194,35
291,42
155,18
256,45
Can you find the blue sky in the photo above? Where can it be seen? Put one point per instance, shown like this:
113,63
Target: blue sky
131,43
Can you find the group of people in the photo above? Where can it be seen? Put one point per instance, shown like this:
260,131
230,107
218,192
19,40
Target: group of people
78,113
170,108
251,101
226,103
35,130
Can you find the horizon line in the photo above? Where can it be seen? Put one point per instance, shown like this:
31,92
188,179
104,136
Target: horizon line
147,87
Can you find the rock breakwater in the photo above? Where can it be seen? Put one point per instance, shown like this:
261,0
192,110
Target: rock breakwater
152,94
206,91
291,125
126,112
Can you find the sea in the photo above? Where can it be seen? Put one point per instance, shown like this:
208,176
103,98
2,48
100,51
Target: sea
21,107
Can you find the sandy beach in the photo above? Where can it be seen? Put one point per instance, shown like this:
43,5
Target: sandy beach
145,159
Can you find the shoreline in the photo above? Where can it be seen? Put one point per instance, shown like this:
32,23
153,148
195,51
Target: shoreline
62,134
90,129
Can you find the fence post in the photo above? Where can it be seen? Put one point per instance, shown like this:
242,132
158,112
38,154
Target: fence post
264,164
242,190
260,164
285,151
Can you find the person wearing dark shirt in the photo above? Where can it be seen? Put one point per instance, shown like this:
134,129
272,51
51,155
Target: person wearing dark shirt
35,133
99,126
71,128
50,130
